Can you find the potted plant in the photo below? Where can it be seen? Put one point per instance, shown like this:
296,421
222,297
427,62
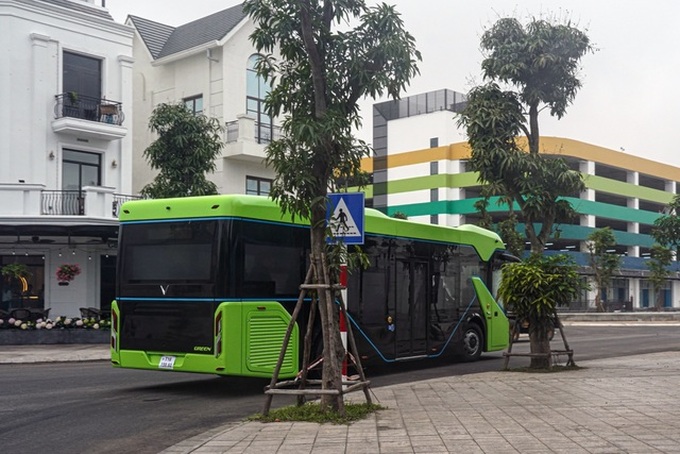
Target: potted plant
66,273
15,270
73,97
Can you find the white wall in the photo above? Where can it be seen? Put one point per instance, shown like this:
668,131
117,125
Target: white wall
34,36
222,84
414,133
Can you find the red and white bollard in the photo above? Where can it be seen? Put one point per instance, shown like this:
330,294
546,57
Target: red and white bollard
343,320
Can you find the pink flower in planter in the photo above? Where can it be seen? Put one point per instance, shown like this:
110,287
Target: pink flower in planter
66,273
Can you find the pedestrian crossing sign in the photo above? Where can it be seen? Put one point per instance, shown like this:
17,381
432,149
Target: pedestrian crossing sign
345,216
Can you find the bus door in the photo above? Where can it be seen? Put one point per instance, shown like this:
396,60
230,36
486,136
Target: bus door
410,308
497,325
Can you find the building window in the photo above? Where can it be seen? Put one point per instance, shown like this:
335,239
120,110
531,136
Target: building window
23,291
258,186
82,86
434,142
194,104
256,90
79,169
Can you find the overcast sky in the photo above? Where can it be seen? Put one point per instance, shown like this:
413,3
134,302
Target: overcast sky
630,99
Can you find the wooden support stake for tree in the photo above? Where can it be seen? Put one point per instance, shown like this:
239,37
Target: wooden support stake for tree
568,351
286,340
302,381
355,352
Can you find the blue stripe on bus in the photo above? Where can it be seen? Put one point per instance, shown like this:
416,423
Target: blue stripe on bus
220,218
443,349
202,300
287,224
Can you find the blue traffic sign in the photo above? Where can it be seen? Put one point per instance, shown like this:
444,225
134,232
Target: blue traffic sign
345,216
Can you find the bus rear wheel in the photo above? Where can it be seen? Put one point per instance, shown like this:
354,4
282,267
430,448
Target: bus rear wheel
471,344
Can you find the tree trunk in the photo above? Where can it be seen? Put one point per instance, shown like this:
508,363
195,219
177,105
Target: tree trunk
598,301
659,300
331,373
539,343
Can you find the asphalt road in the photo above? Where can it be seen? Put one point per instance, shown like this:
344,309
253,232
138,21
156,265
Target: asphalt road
92,407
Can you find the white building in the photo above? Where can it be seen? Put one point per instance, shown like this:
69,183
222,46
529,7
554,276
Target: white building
209,65
65,150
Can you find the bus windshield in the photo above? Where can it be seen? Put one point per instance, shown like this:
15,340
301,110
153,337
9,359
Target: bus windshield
169,252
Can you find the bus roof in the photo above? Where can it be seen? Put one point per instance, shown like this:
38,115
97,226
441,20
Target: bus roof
263,208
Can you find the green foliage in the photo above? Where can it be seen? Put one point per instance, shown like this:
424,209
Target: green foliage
661,258
313,412
184,152
603,263
539,63
15,270
317,82
666,229
399,215
514,241
541,60
532,289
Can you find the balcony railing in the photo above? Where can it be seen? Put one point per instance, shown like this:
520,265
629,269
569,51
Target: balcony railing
62,203
88,108
262,133
75,203
120,199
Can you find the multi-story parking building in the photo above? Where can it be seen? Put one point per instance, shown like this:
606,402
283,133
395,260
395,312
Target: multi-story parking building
419,169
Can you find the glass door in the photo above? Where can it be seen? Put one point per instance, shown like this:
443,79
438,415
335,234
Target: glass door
79,169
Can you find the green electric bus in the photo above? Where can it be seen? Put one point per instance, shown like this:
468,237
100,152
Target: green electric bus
207,284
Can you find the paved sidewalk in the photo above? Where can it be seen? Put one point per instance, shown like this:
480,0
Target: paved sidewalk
51,353
618,405
621,405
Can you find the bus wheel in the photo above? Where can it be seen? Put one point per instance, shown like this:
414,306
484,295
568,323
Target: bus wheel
472,343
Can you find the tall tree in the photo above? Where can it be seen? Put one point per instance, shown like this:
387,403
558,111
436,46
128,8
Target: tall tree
603,263
539,63
184,152
661,258
666,229
332,54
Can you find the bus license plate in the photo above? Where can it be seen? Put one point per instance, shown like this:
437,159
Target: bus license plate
167,362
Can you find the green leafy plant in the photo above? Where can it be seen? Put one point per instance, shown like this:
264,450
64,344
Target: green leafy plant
533,289
15,270
184,152
73,97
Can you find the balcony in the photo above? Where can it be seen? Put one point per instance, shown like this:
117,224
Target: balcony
246,139
35,200
84,116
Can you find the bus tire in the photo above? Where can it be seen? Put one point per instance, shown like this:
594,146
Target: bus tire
471,343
